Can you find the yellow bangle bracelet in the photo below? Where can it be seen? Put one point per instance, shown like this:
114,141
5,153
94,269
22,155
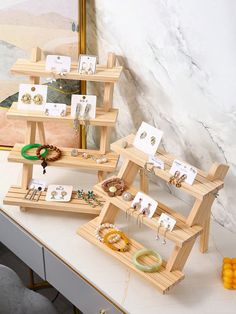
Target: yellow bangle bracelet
111,245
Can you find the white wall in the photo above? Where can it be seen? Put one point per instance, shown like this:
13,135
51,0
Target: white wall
180,75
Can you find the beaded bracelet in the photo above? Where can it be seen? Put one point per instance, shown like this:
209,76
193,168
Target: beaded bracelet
106,226
45,159
147,268
30,146
111,245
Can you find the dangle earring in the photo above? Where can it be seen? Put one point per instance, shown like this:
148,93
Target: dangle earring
174,177
158,229
164,236
76,127
180,180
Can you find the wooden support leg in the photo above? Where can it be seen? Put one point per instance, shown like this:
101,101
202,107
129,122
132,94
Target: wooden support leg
28,169
108,213
101,176
204,237
105,134
41,133
128,172
143,181
179,256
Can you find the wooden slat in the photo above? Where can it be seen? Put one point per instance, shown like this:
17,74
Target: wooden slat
163,280
103,118
179,235
37,69
201,186
67,160
15,196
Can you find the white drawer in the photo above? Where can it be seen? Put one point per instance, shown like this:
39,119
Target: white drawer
22,244
75,289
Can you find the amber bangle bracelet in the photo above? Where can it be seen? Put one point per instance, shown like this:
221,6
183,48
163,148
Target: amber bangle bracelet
111,245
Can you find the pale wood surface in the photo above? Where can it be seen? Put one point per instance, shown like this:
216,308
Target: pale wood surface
179,235
67,160
201,186
102,118
109,87
163,280
37,69
15,196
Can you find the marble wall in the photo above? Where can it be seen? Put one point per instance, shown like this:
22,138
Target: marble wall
180,69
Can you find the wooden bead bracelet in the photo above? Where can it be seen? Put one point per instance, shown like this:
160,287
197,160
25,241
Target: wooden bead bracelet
46,159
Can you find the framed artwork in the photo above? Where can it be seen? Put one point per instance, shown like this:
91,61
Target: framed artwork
51,25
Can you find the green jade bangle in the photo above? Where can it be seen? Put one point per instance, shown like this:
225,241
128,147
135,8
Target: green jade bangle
147,268
30,146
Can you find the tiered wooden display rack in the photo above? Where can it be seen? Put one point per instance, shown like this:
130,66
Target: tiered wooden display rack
185,232
105,119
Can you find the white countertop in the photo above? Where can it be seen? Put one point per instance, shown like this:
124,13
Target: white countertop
200,292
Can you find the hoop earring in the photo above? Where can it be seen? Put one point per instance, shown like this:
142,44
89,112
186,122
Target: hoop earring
180,180
174,177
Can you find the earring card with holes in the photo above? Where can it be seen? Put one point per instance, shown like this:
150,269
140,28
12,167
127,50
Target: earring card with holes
148,204
32,97
55,109
87,64
167,221
85,105
59,193
148,138
184,168
59,64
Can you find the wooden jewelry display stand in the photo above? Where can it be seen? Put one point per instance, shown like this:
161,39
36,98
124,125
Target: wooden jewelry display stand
105,118
186,230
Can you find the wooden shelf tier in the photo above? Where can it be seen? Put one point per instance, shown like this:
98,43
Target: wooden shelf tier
15,196
67,160
201,186
163,279
179,235
103,118
37,69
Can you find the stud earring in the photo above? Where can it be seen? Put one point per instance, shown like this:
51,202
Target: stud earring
26,98
174,177
38,99
143,134
63,194
63,113
53,194
137,205
180,180
164,236
153,140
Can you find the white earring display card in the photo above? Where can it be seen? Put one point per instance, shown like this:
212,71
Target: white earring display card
158,163
184,169
60,64
83,106
55,110
148,204
32,97
36,184
87,64
59,193
167,221
148,138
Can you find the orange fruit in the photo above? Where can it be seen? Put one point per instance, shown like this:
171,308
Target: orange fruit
228,280
227,285
228,273
227,266
227,260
